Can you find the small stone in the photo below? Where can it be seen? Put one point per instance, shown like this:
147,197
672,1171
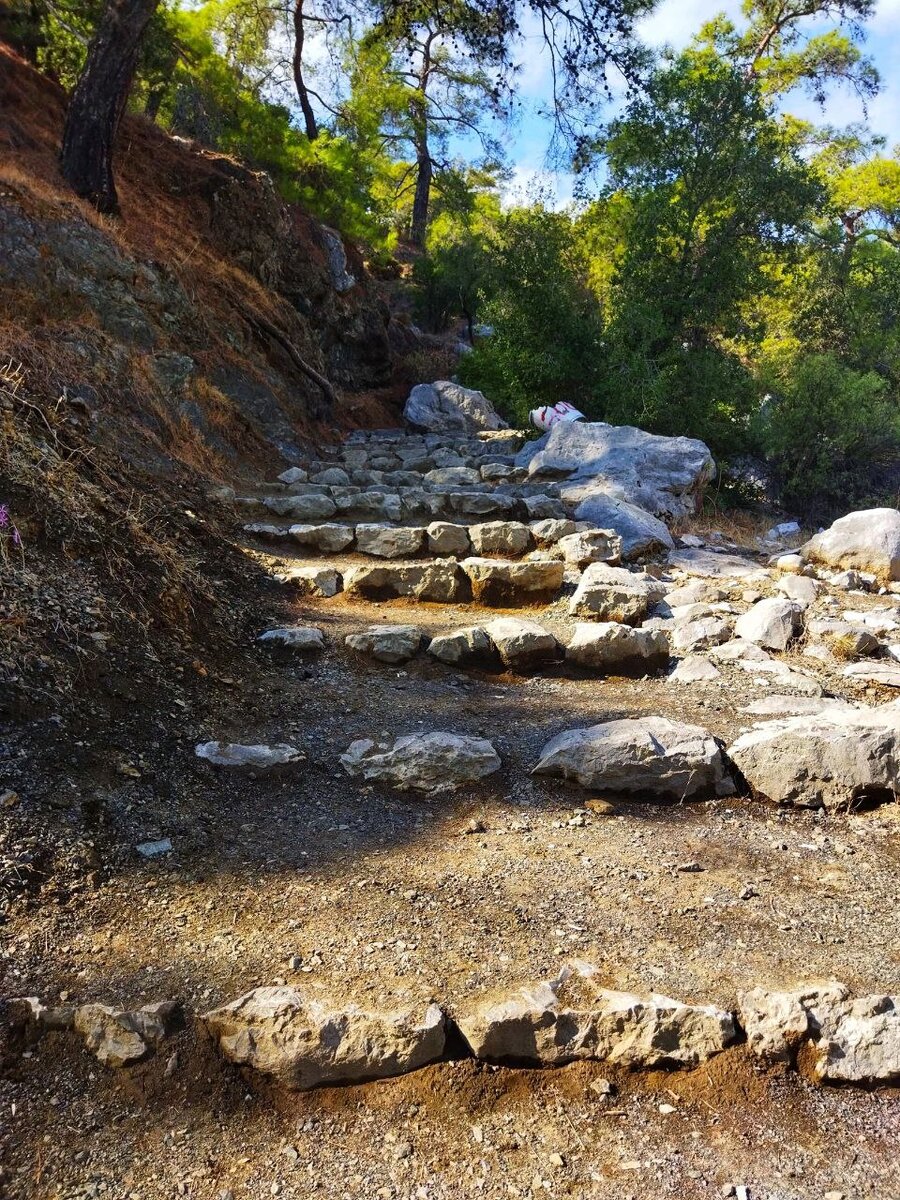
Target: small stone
556,1160
154,849
667,1109
602,1087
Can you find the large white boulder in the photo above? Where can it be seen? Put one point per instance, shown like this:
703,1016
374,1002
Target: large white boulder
572,1017
771,623
644,755
828,759
302,1042
663,475
425,762
445,407
868,540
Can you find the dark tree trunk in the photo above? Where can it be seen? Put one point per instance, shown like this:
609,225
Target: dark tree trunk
99,99
424,172
309,117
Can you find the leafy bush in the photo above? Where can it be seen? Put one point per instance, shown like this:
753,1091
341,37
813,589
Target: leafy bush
831,433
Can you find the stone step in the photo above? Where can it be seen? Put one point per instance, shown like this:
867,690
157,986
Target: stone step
404,504
541,540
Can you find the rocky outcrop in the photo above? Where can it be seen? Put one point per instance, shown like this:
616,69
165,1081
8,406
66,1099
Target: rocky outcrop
425,762
445,407
572,1018
302,1042
868,540
650,756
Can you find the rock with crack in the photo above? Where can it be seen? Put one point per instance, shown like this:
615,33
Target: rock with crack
854,1040
885,674
387,643
461,647
867,541
615,594
500,537
439,581
258,758
832,759
426,762
445,407
302,1042
771,623
650,756
118,1037
387,541
498,583
313,581
591,545
640,532
616,649
572,1018
295,637
662,475
522,645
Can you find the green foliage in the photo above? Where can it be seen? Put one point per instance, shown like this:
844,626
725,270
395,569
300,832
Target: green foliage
546,323
827,430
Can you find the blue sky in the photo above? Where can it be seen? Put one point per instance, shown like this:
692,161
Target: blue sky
673,23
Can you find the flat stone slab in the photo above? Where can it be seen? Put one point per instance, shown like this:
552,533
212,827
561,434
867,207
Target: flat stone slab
708,564
258,757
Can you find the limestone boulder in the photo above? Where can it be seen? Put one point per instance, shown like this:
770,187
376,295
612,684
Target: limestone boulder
387,643
426,762
499,583
445,407
651,756
302,1042
118,1037
503,538
301,508
461,647
550,531
314,581
868,541
439,581
572,1018
641,532
591,545
772,623
326,539
453,477
444,538
616,649
522,645
295,637
387,541
662,475
701,634
607,593
831,759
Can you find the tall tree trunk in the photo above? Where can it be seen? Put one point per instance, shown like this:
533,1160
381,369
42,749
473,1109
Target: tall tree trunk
424,173
309,117
99,99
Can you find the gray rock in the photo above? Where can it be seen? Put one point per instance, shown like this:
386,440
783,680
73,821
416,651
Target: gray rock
448,407
800,589
712,564
314,581
505,538
427,762
326,539
522,645
640,531
259,758
453,476
614,594
771,623
589,546
386,541
302,1042
295,637
617,649
460,647
331,477
301,508
549,532
645,755
830,759
438,581
659,474
449,539
293,475
387,643
695,669
868,540
572,1018
884,674
702,634
498,583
